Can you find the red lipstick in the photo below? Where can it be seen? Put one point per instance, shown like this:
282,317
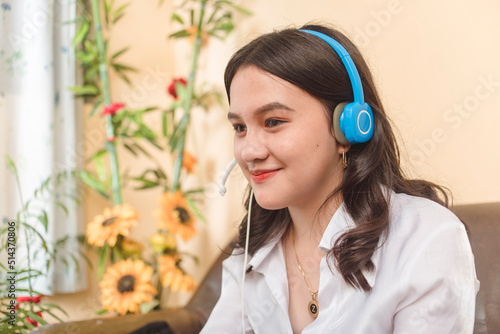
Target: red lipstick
259,176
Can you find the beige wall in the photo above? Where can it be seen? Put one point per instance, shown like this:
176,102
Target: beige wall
437,65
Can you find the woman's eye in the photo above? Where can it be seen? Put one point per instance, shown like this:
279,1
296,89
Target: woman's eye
271,123
238,128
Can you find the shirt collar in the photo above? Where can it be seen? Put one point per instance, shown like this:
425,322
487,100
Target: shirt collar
340,223
262,253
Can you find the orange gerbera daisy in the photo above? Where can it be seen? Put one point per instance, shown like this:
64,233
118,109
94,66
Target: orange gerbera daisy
189,162
173,277
126,285
112,222
175,215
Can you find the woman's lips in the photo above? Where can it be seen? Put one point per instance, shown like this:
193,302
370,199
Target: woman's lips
259,176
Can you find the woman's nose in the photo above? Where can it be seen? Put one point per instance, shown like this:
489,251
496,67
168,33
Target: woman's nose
253,148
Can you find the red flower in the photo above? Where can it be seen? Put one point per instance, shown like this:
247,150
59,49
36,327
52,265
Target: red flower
34,322
27,299
112,109
171,87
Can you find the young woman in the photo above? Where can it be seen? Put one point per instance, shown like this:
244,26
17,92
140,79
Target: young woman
340,240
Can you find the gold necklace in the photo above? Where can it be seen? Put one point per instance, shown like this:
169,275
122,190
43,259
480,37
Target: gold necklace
313,306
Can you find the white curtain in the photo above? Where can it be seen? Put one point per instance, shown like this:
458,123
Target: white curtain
40,123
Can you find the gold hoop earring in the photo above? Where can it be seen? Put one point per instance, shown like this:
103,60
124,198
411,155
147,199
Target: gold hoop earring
344,159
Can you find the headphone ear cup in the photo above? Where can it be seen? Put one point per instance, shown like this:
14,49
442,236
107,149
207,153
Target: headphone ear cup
339,135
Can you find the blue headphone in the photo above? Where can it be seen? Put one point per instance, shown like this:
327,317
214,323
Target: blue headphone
352,121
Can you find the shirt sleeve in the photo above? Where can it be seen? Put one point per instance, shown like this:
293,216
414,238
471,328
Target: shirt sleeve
440,285
226,315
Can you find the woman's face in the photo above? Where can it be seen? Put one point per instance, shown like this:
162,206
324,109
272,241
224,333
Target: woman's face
282,141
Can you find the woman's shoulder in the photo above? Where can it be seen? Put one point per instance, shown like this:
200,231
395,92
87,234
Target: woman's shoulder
415,221
421,213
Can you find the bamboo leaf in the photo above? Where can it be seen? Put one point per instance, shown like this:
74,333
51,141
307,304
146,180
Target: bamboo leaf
93,183
81,33
180,34
120,52
121,68
147,184
84,90
164,124
96,106
131,150
176,17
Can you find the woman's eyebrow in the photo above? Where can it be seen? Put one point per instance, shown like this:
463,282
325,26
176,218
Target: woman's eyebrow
263,109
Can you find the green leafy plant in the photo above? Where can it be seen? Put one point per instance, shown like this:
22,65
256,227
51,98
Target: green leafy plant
27,233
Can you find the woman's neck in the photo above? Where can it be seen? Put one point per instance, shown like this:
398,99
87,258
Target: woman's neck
310,222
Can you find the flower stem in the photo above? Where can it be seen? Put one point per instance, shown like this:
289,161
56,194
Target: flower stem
103,72
187,101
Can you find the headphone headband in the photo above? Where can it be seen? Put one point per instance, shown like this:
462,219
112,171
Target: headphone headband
357,88
352,121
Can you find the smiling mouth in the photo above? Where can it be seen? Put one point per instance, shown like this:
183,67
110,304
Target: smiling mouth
261,176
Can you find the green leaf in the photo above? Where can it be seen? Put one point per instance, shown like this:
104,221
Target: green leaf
36,317
176,17
96,106
140,148
191,17
85,58
81,33
10,164
98,160
146,184
93,183
44,219
84,90
102,261
238,8
117,18
119,10
147,307
131,150
62,206
120,52
216,10
100,312
164,124
121,68
179,34
195,209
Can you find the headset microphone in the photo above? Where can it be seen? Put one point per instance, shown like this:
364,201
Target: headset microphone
223,179
222,192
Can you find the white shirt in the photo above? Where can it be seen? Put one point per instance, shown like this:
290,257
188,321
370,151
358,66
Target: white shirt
424,281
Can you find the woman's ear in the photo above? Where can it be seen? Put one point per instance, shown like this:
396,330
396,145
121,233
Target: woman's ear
343,148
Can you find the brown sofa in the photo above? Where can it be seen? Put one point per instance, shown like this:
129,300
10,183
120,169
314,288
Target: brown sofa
483,222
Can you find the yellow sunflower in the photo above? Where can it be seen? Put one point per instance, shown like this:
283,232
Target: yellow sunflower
112,222
126,285
175,215
173,276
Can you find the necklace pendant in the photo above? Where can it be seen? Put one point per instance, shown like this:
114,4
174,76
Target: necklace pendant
313,308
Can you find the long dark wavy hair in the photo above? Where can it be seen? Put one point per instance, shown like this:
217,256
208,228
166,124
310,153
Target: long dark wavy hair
311,64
